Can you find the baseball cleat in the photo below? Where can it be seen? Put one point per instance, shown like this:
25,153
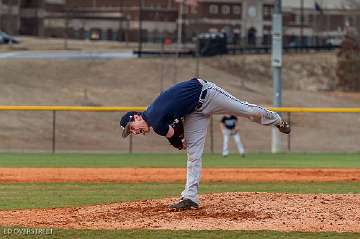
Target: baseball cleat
184,204
284,127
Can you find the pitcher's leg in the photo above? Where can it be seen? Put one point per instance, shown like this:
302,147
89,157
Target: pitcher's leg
222,102
195,128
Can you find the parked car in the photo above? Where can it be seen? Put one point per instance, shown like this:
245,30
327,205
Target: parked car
334,41
211,43
7,39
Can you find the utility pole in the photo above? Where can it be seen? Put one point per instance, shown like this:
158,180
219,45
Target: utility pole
40,17
197,46
302,23
140,28
127,30
179,36
8,22
180,26
66,31
1,6
277,32
17,21
121,21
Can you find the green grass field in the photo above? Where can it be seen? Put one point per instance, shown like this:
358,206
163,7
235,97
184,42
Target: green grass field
179,160
45,195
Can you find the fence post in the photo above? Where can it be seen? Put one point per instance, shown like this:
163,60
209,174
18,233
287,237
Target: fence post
130,143
212,134
289,135
54,131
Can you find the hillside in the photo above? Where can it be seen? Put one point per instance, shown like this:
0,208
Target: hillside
136,82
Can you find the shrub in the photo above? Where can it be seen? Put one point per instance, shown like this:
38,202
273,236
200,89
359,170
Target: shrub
348,67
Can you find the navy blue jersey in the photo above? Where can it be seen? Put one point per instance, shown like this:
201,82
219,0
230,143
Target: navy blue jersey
173,103
229,121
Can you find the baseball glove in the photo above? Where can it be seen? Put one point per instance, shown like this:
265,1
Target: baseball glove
178,138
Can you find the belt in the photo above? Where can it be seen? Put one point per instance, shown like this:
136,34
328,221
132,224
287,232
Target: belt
202,81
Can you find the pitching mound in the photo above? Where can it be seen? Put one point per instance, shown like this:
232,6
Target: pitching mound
228,211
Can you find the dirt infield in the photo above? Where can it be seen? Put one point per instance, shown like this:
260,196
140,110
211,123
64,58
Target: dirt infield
227,211
168,175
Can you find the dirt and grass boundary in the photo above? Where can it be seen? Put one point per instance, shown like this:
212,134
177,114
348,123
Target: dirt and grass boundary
241,209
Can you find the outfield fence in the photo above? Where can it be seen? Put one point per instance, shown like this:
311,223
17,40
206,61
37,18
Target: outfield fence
288,111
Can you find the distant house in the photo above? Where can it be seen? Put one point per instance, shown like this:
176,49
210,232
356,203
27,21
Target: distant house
245,22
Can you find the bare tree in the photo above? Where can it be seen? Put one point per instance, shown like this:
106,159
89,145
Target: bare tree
352,3
348,66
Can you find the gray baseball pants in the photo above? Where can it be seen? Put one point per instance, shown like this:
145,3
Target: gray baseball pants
227,133
217,101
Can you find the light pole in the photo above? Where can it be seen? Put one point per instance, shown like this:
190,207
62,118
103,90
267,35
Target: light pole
302,23
277,31
179,35
180,26
66,32
0,15
140,28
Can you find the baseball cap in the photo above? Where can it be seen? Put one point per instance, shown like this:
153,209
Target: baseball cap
125,121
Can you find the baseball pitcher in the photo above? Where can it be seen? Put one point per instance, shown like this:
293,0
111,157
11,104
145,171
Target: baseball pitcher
195,101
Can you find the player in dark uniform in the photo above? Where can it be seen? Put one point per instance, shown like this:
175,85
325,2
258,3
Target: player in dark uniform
194,101
229,127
